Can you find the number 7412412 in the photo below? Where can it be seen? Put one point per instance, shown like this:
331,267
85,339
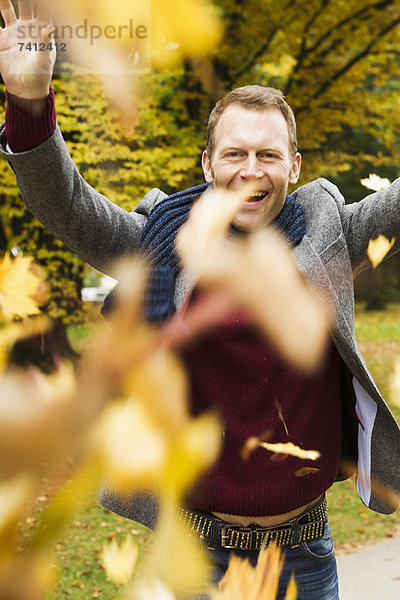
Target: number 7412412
42,46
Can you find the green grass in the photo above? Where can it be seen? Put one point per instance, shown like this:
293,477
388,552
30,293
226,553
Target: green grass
77,552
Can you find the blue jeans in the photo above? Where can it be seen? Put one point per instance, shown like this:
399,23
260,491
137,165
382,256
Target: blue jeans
313,564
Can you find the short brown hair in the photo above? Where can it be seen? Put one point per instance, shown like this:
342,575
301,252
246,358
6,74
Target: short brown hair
253,97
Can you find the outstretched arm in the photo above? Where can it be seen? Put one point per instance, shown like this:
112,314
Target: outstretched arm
51,187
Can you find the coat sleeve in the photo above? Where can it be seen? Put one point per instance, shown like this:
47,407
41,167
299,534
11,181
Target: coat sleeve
377,214
87,222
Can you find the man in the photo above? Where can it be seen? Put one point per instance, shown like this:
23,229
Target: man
251,135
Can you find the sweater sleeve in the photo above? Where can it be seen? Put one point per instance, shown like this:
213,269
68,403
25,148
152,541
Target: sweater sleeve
29,123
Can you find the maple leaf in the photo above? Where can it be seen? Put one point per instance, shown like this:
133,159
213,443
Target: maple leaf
376,183
378,248
18,285
119,561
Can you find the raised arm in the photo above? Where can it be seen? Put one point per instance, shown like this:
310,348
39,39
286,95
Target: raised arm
51,187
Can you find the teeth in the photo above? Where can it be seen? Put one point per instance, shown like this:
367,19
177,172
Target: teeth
258,195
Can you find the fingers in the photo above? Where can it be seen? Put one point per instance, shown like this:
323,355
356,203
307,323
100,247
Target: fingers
25,10
44,11
7,12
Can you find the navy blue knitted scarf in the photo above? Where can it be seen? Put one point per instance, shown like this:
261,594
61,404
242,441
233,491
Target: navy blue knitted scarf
158,246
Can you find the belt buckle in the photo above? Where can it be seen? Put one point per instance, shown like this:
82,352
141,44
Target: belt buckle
228,530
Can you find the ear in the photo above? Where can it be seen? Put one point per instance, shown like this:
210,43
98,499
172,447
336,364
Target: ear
295,170
207,170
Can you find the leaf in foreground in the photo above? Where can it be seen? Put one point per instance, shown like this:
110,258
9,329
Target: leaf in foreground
18,286
378,248
376,183
244,582
395,387
292,450
119,561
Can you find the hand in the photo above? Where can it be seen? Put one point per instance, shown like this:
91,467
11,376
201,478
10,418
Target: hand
27,49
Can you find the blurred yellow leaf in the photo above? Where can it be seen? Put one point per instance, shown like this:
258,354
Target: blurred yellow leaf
18,285
244,582
291,592
194,450
178,556
378,248
134,450
376,183
208,224
291,449
160,382
153,589
183,27
395,384
119,561
13,495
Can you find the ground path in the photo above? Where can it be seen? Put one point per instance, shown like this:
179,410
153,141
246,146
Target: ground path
371,573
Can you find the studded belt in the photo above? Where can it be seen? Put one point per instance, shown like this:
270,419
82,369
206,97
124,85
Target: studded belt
309,525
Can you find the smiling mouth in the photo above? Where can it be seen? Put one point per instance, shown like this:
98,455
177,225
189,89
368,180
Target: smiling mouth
257,196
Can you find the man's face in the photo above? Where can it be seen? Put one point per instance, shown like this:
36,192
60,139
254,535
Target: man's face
253,145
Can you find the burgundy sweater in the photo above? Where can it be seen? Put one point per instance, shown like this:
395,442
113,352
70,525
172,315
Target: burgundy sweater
234,370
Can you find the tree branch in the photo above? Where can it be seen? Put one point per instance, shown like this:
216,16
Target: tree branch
327,84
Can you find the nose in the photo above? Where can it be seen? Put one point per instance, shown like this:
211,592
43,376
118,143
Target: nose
251,168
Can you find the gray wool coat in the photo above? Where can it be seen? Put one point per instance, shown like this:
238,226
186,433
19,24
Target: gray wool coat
333,248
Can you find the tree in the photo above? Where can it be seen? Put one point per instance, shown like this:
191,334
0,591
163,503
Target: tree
335,60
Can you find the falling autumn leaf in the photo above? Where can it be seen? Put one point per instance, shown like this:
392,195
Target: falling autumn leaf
374,182
134,450
244,582
119,561
13,494
18,286
259,274
292,450
152,589
378,248
291,592
306,471
160,383
395,384
208,224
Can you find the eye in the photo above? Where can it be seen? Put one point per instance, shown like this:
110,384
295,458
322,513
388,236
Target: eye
267,155
234,154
